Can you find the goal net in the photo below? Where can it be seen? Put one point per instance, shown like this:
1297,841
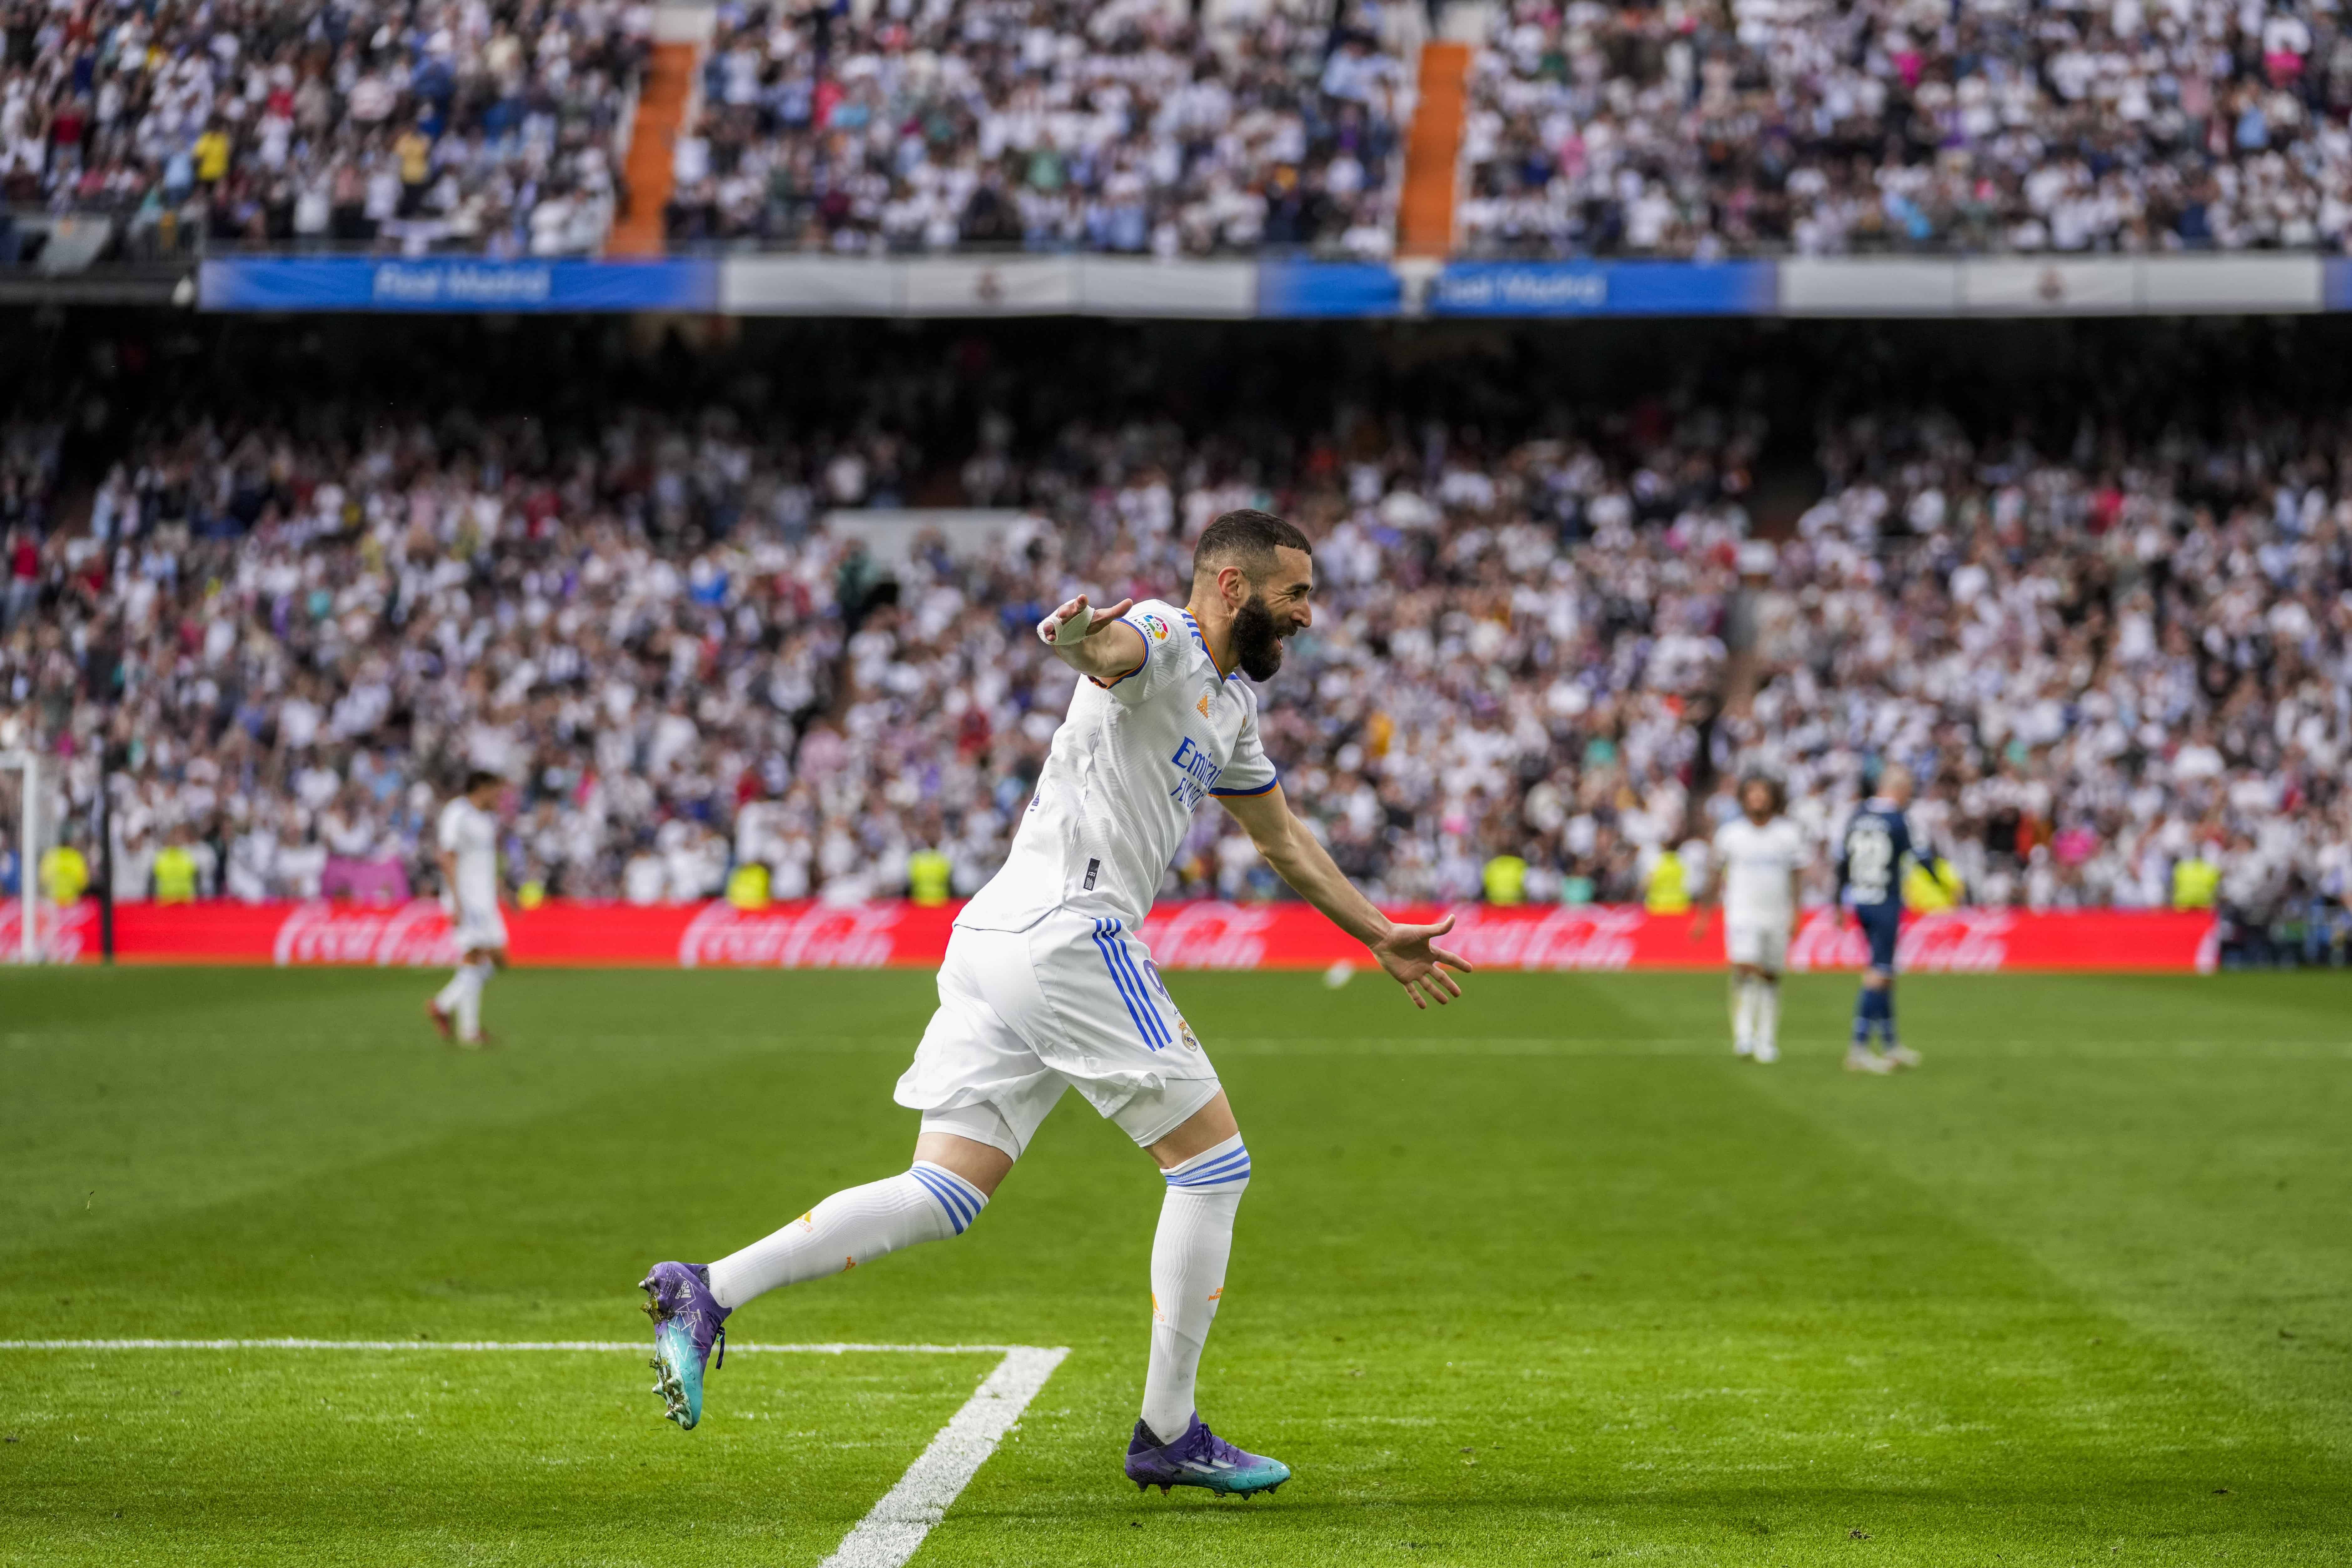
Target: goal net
32,808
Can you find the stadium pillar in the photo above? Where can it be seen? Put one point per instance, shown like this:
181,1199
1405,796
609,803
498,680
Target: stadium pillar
666,102
1433,150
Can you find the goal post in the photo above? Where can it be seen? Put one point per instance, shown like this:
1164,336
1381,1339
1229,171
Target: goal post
28,825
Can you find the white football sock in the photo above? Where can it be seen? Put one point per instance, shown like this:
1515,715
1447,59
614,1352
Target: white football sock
462,998
1743,1011
461,980
1768,1015
469,1000
858,1225
1188,1278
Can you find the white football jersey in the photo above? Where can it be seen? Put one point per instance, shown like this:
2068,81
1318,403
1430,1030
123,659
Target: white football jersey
1754,864
471,835
1129,764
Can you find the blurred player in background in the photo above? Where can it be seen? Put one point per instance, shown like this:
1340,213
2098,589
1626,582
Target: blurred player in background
468,834
1758,856
1870,867
1046,988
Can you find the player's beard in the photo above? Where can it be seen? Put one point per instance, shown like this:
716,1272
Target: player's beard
1258,645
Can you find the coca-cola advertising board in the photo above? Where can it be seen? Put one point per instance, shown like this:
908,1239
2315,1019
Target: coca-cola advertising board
1191,935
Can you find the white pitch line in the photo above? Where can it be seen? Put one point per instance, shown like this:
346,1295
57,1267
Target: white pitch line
835,1348
890,1534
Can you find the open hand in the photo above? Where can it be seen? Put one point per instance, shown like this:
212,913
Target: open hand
1071,624
1414,960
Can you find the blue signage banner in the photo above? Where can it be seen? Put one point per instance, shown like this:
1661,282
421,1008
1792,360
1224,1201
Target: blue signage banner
1327,289
1604,288
2335,287
454,283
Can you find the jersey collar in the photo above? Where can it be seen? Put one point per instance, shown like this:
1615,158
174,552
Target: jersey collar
1195,627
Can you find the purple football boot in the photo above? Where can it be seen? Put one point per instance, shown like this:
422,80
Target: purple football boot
688,1323
1200,1459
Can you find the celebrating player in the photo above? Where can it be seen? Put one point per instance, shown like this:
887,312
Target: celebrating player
1869,882
1046,987
470,884
1758,855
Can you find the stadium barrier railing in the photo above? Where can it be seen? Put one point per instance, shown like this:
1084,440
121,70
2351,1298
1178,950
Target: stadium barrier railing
1201,934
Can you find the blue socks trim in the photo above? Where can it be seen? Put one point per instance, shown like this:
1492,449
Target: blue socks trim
959,1198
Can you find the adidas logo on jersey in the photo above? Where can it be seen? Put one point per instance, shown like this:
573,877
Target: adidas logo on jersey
1203,705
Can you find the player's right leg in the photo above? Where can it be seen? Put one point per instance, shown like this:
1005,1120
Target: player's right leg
982,1093
936,1197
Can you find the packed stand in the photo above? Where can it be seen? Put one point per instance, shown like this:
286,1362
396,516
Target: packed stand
1695,128
2120,670
302,123
1042,124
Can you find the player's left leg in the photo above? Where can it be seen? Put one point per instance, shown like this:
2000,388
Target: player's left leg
1767,1046
1207,1168
485,963
457,1008
1897,1053
1767,958
1743,1011
1873,1011
1869,1008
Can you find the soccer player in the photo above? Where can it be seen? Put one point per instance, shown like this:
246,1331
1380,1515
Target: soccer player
1046,987
1869,882
470,884
1758,855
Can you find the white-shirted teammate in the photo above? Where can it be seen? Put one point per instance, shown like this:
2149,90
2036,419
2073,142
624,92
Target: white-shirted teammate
1045,986
1757,857
468,838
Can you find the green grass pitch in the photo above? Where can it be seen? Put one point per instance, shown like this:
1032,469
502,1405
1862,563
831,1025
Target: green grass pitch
1545,1277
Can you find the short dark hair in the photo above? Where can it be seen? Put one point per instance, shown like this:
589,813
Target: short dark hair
1247,538
477,778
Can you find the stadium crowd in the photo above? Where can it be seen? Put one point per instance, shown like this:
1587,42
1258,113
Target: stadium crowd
1692,128
385,122
1125,126
2120,669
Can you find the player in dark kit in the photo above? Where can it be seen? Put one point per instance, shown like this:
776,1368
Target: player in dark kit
1870,882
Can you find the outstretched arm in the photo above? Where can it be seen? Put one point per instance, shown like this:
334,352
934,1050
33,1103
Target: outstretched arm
1299,858
1095,642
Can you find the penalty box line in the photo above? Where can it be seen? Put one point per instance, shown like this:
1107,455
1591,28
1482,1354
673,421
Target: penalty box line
891,1531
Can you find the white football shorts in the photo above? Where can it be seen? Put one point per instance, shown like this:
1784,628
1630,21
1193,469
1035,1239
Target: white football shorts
1764,943
1074,1002
476,928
